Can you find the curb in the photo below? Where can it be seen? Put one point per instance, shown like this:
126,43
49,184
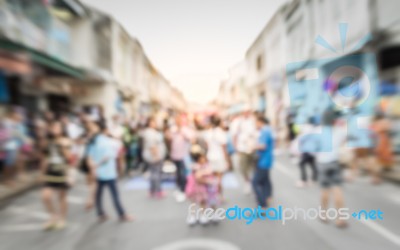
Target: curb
7,196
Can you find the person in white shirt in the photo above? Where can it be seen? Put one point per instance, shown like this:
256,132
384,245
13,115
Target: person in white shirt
154,153
73,130
179,138
244,135
116,131
217,155
216,139
115,127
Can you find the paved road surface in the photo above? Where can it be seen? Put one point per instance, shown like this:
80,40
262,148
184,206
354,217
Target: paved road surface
160,225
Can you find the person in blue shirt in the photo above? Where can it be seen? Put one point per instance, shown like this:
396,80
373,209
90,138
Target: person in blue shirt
261,181
102,157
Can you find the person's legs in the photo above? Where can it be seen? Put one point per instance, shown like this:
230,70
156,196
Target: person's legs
219,176
256,188
62,197
338,197
354,164
152,178
324,201
47,196
135,163
236,168
121,163
339,203
325,182
249,163
243,167
112,185
155,178
146,166
180,174
20,165
374,169
128,159
99,198
91,183
331,180
313,168
258,182
158,177
246,166
9,165
360,159
302,164
267,186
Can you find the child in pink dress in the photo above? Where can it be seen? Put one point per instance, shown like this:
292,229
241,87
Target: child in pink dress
201,187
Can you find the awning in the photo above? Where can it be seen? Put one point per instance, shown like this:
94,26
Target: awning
14,63
42,59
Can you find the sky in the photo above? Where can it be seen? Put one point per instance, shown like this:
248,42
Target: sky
192,43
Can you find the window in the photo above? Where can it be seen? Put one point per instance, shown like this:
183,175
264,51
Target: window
34,10
260,62
389,58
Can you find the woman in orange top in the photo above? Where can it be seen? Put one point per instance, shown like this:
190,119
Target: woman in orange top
383,147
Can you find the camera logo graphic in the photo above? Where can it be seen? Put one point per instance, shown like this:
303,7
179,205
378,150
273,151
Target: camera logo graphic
346,83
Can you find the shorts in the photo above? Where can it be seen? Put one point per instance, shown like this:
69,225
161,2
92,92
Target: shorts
330,174
10,157
56,176
57,185
246,163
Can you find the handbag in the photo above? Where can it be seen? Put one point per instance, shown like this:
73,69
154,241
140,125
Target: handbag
83,166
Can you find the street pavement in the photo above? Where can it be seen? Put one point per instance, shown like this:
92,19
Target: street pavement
160,225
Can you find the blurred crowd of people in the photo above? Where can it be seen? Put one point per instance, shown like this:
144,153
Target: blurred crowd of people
202,149
336,140
59,146
367,144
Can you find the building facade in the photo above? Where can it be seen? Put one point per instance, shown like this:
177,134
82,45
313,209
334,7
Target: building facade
65,56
